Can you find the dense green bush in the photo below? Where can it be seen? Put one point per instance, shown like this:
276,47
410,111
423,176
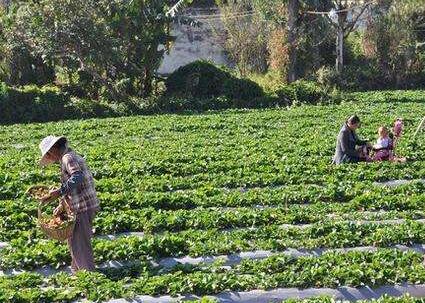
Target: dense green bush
202,79
179,104
51,103
241,89
197,79
305,92
387,96
48,103
86,108
364,77
31,104
359,77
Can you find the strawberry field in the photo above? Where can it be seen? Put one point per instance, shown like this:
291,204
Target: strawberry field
222,204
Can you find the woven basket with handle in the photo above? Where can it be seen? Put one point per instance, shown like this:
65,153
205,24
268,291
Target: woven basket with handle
61,233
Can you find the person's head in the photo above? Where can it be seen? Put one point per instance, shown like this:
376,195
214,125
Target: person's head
383,132
52,149
353,122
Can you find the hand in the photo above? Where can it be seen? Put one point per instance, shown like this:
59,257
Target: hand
46,199
53,195
58,210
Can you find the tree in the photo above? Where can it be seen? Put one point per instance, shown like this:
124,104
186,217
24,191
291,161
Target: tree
394,37
289,23
292,35
245,36
293,12
17,65
116,43
345,17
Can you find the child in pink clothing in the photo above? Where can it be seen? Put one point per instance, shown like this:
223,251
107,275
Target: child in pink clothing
398,127
384,146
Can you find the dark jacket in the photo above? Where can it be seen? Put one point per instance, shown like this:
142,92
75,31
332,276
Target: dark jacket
346,146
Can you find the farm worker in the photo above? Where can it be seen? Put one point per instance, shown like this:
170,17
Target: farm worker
347,141
78,191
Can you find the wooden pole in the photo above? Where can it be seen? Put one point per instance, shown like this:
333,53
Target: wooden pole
421,126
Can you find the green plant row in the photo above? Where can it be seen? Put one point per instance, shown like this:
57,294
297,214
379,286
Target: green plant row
353,269
40,104
149,220
278,174
119,214
32,252
363,193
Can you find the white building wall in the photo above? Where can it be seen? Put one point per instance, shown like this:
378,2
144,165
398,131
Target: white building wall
194,43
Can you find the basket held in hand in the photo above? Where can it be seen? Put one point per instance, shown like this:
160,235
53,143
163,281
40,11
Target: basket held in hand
61,233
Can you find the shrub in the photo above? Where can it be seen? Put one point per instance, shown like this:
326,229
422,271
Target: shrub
86,108
270,82
48,103
202,79
241,89
246,38
355,77
179,104
304,92
31,104
326,76
198,79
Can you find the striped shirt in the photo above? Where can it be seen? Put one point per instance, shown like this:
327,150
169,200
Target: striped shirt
84,196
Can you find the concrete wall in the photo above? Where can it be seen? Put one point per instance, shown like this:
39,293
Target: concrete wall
194,43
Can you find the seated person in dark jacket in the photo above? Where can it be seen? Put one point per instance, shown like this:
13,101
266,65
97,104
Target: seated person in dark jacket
347,144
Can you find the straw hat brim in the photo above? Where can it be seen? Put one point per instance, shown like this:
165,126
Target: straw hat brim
44,161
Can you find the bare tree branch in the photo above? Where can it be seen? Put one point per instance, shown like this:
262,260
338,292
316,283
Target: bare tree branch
352,24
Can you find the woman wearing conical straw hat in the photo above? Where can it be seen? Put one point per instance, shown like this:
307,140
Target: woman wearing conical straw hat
79,192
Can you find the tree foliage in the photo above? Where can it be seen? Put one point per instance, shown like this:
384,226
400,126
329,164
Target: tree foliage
18,66
395,36
115,45
112,49
245,36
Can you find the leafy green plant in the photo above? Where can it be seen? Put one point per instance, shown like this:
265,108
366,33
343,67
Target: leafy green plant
306,92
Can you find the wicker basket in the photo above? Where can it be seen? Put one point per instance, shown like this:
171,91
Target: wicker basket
32,191
60,234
